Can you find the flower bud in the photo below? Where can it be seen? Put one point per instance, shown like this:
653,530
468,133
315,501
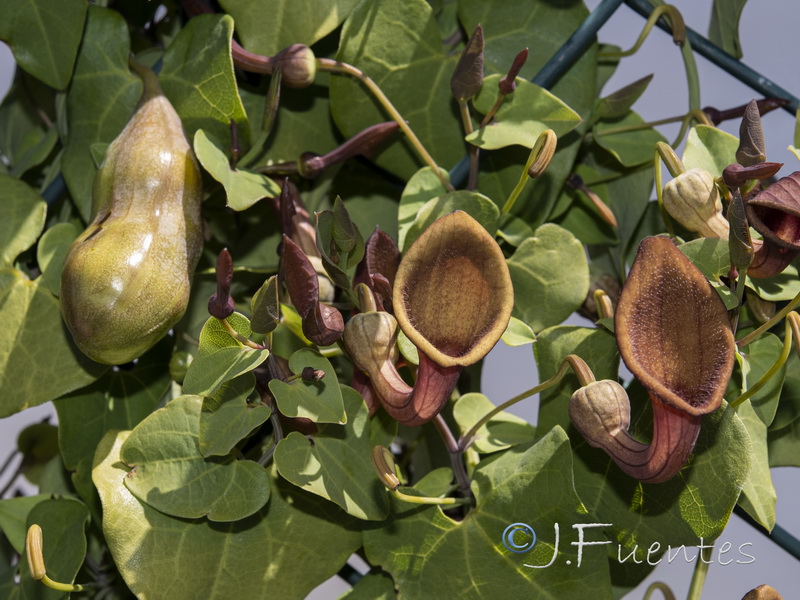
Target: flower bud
383,462
298,65
751,148
509,83
762,592
599,410
34,550
370,338
468,76
221,305
692,199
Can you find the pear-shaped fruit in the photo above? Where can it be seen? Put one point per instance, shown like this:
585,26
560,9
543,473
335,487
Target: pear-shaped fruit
126,279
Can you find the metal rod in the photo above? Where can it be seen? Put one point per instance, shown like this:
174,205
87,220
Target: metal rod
779,535
559,63
723,60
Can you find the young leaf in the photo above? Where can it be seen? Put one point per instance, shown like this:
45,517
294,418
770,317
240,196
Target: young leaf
220,357
468,75
340,243
266,307
723,30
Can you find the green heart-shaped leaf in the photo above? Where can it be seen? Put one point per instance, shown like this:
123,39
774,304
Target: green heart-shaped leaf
169,473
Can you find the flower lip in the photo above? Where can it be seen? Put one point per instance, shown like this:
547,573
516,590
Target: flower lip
673,331
453,294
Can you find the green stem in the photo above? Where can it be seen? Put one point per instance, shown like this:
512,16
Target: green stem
639,126
700,572
492,111
466,122
238,336
766,377
426,500
545,145
580,368
523,179
267,456
692,82
335,66
648,26
61,587
660,194
777,318
740,285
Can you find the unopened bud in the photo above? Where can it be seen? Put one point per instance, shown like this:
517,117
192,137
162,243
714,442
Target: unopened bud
468,75
509,83
762,592
751,137
221,305
33,548
543,151
364,143
298,65
736,176
383,460
693,200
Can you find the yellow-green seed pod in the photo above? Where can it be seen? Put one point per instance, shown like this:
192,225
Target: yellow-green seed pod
126,279
692,199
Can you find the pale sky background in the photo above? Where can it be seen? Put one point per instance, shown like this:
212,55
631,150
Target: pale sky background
768,47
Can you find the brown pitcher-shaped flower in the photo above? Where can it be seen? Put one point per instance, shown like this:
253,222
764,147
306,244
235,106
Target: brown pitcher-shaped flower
452,298
674,335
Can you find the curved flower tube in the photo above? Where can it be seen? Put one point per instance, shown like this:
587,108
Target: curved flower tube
674,335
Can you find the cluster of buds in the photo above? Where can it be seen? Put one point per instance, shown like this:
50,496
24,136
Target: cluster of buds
692,198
